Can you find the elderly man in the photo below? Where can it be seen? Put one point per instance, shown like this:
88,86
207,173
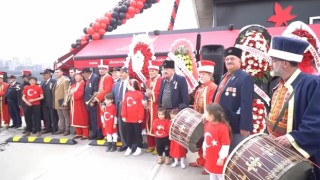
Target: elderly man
13,97
235,94
91,90
49,113
295,110
60,89
174,88
203,96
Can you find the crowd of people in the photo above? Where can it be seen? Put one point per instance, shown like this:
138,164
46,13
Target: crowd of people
117,108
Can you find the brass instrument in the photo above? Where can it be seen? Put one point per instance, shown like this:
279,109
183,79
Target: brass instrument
67,97
92,98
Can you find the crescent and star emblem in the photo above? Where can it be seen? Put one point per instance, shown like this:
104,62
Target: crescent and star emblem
107,116
130,101
160,130
209,141
31,92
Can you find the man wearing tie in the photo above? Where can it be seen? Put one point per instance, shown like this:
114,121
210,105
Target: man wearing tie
13,96
49,113
119,89
91,89
235,94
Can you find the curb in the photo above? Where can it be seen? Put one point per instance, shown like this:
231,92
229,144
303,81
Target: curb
44,140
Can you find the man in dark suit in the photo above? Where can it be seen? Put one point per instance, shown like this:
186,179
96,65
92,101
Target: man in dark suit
174,88
119,89
91,88
49,113
235,94
13,98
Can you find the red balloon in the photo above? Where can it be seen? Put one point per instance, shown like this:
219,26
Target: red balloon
103,25
90,30
131,10
83,42
95,36
101,32
124,21
83,38
96,26
133,3
139,5
86,36
98,20
128,16
105,20
143,1
137,11
108,15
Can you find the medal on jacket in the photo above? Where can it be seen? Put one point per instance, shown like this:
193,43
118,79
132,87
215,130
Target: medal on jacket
50,85
234,90
227,91
89,85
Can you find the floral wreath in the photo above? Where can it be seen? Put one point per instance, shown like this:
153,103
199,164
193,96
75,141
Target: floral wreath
311,62
255,40
182,49
140,52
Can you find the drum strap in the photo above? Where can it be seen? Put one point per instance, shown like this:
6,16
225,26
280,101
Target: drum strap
284,108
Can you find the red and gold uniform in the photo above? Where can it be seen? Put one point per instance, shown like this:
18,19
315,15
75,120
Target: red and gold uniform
79,117
4,113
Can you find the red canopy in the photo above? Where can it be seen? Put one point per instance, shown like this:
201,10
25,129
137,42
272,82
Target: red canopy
115,48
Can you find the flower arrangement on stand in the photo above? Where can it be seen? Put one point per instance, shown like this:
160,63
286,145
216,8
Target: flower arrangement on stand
182,53
140,52
311,62
254,40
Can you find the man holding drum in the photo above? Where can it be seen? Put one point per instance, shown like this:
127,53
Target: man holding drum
295,110
203,97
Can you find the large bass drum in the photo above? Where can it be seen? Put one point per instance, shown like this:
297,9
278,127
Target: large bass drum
259,157
187,129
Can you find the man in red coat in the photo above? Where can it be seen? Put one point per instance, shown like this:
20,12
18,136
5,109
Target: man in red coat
152,92
4,113
202,98
105,87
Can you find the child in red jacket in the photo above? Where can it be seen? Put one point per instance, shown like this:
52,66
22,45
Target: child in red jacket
132,113
176,150
161,128
109,122
32,95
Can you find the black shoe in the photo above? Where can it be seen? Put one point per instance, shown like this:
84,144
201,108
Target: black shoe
34,132
122,149
45,131
113,147
12,126
17,127
100,138
92,137
109,146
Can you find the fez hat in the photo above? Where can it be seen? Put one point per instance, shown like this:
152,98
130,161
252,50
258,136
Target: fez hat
26,73
206,66
287,48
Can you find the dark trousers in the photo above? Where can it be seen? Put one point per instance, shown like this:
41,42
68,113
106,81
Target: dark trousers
122,130
93,112
134,137
14,112
50,117
33,118
163,145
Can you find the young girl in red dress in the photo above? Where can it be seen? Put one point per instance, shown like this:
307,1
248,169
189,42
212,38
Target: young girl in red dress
161,128
132,112
176,150
217,135
109,123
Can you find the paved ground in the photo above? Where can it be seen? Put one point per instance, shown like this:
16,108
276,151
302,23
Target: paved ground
28,161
